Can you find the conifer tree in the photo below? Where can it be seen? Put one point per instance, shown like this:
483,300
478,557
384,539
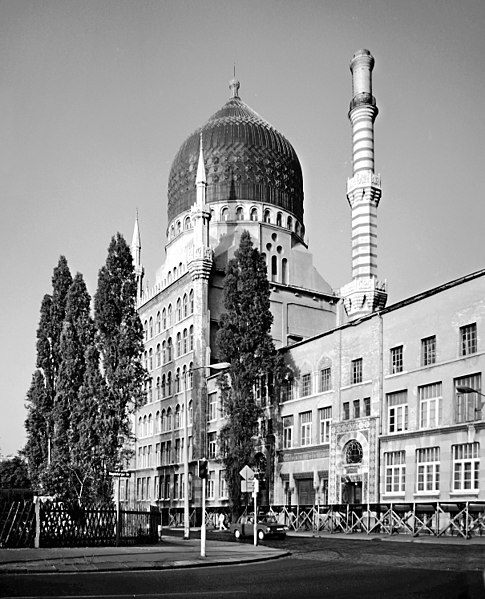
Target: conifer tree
244,340
120,341
36,426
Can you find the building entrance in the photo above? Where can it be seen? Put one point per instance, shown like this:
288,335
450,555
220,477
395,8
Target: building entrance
352,492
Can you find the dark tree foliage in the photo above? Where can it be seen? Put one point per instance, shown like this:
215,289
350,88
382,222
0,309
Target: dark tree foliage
40,427
244,340
14,475
120,341
36,425
77,334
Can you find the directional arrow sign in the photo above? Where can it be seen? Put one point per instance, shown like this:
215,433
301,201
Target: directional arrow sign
247,473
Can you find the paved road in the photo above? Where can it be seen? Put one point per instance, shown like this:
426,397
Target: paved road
286,578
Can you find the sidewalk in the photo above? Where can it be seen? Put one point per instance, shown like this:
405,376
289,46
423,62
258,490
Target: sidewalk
400,538
171,552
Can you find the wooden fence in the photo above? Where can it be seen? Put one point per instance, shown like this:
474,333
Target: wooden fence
58,524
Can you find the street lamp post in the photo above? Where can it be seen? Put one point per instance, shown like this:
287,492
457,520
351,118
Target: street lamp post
467,389
218,366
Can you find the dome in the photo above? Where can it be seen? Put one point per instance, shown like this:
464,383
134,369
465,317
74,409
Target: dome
246,159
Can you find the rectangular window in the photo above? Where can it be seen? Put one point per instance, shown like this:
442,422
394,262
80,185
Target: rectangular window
466,465
169,452
211,445
468,405
356,373
428,470
210,484
305,428
428,351
212,411
178,452
287,432
468,339
325,379
346,410
397,411
356,408
222,485
430,405
395,464
176,486
325,416
306,385
366,406
167,487
396,359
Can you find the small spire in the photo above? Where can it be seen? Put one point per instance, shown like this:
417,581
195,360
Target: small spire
200,167
234,85
136,242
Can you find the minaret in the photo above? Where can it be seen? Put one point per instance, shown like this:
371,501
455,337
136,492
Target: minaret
199,261
136,255
364,294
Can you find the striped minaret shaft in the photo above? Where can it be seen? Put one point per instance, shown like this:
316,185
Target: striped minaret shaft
363,189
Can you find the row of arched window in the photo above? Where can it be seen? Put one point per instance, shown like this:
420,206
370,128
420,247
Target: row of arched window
168,385
268,216
165,352
164,421
184,307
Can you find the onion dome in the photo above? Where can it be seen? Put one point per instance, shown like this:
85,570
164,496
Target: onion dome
246,159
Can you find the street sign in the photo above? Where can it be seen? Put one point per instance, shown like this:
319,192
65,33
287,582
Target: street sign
247,473
120,474
247,486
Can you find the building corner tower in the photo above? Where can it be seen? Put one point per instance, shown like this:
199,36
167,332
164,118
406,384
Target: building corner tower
364,294
136,255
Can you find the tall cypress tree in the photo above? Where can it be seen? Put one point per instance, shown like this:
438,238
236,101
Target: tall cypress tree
120,340
40,427
245,341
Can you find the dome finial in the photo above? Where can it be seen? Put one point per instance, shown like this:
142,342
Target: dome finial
234,85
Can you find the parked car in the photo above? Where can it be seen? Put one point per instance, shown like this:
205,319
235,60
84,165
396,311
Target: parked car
267,526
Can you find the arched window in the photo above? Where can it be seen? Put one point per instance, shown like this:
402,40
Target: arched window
169,419
191,337
267,216
150,359
164,319
190,377
169,315
284,271
150,387
191,413
169,349
164,390
159,328
176,423
187,223
169,277
179,344
289,223
145,330
253,215
158,356
157,422
163,425
145,359
158,388
279,219
179,227
150,328
191,301
177,380
185,306
224,214
212,214
169,384
185,343
145,430
239,213
150,425
179,310
297,229
164,352
140,427
172,231
274,268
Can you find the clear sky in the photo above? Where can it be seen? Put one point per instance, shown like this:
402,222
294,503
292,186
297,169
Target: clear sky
96,97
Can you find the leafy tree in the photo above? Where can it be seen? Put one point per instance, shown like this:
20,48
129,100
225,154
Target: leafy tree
36,425
245,341
77,334
14,475
41,395
120,341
